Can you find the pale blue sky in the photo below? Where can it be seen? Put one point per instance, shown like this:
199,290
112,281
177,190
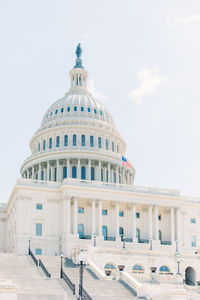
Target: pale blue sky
143,58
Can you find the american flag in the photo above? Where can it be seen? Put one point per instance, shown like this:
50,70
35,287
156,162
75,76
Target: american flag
125,162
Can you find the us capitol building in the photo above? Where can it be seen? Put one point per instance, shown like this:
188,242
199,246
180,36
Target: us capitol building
77,191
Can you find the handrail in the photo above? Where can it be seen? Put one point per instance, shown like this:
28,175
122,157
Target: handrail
33,257
44,269
68,281
85,295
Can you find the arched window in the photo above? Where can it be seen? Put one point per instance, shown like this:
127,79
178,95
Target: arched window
66,140
83,140
113,146
82,108
81,231
38,146
164,270
88,109
137,269
91,141
44,145
160,235
62,109
50,143
56,112
92,173
57,141
75,108
68,109
83,175
109,266
74,139
106,144
64,172
42,175
138,234
105,232
73,172
95,111
99,142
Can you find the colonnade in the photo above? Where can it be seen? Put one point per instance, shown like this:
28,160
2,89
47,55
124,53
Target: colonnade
96,220
57,170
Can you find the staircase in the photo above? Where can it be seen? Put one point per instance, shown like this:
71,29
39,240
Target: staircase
30,280
96,288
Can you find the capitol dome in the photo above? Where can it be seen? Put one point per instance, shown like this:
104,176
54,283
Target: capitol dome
77,139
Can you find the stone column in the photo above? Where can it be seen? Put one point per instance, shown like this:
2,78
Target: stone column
68,169
104,174
109,173
123,176
134,222
28,173
39,172
68,215
172,224
150,222
178,223
89,170
111,180
57,171
99,169
79,169
52,173
93,217
45,174
117,174
100,218
75,215
117,221
47,170
156,223
33,175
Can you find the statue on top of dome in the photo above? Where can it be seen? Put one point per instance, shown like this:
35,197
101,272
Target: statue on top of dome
78,57
78,50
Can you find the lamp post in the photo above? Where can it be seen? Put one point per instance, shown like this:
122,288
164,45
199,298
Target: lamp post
178,263
29,245
61,264
95,240
81,264
124,241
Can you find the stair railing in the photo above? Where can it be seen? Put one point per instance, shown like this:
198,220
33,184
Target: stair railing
44,269
68,281
33,257
85,295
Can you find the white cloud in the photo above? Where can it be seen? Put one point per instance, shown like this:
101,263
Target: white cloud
93,91
150,79
188,19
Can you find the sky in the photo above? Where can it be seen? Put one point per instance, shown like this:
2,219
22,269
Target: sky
143,58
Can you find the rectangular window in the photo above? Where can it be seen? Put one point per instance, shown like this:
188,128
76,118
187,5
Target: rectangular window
66,140
121,213
104,212
159,217
38,206
193,241
193,220
81,210
137,215
38,251
38,229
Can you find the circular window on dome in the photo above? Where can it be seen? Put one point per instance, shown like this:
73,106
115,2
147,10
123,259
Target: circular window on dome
101,113
75,108
62,109
88,109
51,114
68,109
82,108
95,111
56,111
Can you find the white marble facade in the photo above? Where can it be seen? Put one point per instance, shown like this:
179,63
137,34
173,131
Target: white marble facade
74,187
